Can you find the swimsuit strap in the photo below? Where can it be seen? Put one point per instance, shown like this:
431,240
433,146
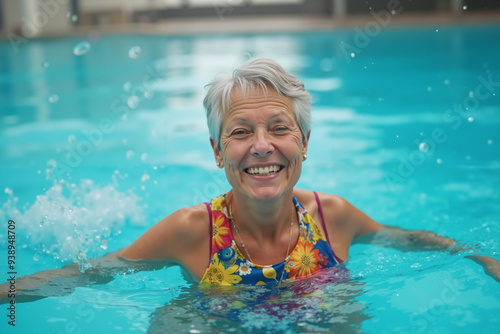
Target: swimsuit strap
324,225
322,217
209,208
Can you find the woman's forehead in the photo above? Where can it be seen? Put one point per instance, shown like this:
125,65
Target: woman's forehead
256,99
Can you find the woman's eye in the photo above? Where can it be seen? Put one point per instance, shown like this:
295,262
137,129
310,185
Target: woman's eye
280,129
239,132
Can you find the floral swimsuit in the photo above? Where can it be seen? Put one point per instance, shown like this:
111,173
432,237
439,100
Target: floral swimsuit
228,266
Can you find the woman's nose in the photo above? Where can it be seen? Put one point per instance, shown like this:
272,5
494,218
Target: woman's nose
262,145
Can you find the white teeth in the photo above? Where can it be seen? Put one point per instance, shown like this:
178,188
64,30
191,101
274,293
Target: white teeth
264,171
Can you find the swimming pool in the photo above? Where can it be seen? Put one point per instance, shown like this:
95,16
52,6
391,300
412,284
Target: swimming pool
101,140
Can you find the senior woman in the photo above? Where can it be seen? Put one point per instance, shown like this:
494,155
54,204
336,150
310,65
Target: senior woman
264,230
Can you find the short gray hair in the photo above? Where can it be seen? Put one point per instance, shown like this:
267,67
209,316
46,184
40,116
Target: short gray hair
256,72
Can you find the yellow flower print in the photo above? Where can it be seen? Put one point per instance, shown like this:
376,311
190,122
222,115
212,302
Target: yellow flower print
303,261
317,233
218,203
220,232
217,274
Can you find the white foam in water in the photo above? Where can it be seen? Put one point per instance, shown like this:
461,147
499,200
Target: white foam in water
72,221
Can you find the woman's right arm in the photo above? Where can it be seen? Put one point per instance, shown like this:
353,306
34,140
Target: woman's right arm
180,238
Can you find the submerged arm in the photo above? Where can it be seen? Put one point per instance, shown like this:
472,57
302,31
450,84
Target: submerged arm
61,282
419,240
172,241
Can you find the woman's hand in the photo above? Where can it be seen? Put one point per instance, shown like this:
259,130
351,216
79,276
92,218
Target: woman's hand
491,266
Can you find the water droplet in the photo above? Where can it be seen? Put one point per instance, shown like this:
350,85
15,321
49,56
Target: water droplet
144,157
393,12
54,98
353,55
133,102
470,119
106,232
437,30
129,154
45,64
446,82
126,86
490,141
429,88
74,18
45,220
423,147
81,48
439,161
397,136
8,191
464,7
148,95
134,52
71,139
471,94
144,177
104,244
36,257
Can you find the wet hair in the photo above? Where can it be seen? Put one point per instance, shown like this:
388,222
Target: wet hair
262,73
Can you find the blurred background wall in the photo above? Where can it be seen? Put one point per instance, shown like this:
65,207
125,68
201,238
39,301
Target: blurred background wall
32,18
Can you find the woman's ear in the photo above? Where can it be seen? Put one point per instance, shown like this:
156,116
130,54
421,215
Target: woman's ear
304,144
217,154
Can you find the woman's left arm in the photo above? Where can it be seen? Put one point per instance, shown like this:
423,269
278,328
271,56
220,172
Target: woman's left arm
356,227
419,240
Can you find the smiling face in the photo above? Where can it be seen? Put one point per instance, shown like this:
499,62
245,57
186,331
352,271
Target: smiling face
262,147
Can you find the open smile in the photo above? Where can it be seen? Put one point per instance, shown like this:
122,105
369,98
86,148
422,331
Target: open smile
264,171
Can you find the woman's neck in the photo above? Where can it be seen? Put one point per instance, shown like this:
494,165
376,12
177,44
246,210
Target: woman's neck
262,220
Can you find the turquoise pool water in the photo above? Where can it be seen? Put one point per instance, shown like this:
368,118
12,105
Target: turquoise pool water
99,145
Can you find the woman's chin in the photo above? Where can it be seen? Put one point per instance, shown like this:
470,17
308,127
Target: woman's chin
267,193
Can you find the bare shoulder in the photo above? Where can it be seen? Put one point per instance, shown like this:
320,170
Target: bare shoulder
339,213
332,206
173,237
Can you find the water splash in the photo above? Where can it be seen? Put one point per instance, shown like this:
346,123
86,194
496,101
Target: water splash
72,221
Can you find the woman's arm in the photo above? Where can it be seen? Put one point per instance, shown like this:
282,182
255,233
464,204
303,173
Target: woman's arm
180,238
351,225
419,240
61,282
